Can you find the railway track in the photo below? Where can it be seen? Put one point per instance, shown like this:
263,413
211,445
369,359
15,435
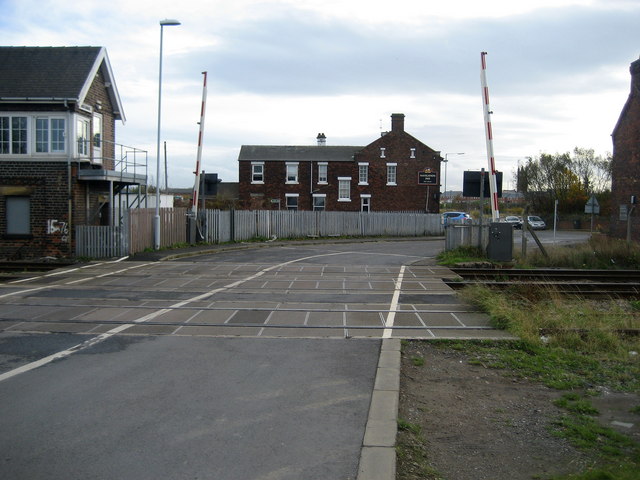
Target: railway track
593,283
13,270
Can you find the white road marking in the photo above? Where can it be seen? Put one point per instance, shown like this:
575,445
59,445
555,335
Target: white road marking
391,316
100,338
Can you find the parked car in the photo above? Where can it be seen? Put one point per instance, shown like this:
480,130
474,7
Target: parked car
536,223
455,217
516,222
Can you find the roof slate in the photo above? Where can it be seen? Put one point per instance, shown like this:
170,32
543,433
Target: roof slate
296,153
45,72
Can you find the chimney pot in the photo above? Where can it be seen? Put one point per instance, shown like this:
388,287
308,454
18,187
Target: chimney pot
322,139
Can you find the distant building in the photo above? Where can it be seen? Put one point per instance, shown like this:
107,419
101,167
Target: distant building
625,167
396,172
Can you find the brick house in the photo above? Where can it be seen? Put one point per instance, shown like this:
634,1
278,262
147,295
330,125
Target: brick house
625,166
58,165
396,172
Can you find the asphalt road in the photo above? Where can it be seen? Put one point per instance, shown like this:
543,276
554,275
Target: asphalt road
147,370
149,405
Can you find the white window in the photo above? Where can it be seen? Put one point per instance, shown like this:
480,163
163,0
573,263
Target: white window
382,149
292,172
344,189
58,134
322,173
365,203
97,132
257,172
50,134
13,135
319,201
391,173
363,174
413,153
18,215
292,201
82,136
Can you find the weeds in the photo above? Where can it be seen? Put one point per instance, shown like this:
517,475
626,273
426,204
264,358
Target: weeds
417,361
411,448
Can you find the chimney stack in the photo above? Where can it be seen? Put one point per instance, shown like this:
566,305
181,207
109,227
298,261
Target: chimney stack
322,139
634,69
397,122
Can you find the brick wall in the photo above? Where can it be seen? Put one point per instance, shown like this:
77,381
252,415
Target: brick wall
47,185
625,173
406,195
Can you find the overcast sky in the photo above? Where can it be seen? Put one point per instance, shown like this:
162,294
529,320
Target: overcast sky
281,71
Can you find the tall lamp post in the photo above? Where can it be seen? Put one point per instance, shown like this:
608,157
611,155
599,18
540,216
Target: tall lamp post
156,218
446,162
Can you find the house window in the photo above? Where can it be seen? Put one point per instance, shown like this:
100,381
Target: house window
391,173
413,153
292,201
18,215
257,172
13,135
382,152
50,135
57,134
344,189
292,172
363,174
319,202
97,131
365,203
322,173
82,136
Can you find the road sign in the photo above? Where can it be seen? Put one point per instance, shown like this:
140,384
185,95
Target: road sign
592,206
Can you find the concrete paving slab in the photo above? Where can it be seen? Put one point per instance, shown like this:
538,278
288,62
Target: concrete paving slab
440,320
249,316
407,319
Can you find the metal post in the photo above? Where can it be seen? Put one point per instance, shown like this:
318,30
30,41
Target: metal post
156,218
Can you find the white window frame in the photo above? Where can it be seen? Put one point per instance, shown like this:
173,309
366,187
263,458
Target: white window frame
323,196
344,189
287,197
392,174
97,138
382,149
363,173
37,134
365,199
12,136
255,175
291,174
18,215
413,153
50,139
323,169
83,125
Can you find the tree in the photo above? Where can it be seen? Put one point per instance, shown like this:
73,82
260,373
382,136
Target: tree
568,178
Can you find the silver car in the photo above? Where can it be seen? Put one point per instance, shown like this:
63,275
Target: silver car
536,223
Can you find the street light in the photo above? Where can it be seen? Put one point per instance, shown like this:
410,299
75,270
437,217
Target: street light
446,161
156,218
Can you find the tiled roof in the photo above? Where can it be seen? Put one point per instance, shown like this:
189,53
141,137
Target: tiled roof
293,153
45,72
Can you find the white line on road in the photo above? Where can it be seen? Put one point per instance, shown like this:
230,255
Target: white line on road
100,338
391,316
